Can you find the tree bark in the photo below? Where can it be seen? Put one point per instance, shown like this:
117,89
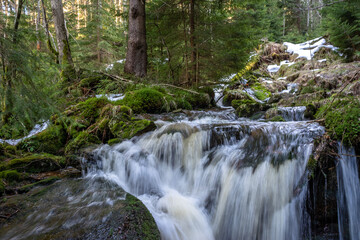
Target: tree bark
136,55
192,41
61,33
17,19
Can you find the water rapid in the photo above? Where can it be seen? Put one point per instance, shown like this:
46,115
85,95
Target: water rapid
215,177
348,194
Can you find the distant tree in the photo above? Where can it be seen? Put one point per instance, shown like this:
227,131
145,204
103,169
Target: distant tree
136,56
68,70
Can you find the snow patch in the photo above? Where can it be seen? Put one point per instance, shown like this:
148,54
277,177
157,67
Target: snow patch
111,97
309,48
110,66
37,129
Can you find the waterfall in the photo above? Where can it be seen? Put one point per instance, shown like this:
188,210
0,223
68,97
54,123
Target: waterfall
213,178
292,113
348,194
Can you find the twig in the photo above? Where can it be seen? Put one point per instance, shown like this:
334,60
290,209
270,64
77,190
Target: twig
115,77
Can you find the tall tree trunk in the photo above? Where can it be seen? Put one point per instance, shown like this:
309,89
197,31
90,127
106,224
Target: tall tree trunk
17,19
192,41
136,55
50,44
186,60
98,29
38,14
61,33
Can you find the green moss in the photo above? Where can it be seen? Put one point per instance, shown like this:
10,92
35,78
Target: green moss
231,95
145,100
276,119
260,92
35,163
342,120
10,175
2,187
51,140
90,82
127,130
146,227
311,165
246,108
91,108
307,89
114,141
46,181
83,139
310,111
183,104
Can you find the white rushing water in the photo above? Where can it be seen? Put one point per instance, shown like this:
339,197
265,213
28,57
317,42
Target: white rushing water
217,179
348,194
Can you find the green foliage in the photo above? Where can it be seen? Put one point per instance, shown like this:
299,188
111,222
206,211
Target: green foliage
342,120
342,23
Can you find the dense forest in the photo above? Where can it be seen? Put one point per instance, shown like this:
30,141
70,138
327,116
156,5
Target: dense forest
80,74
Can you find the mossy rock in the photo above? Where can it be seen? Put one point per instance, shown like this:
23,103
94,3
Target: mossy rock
83,139
246,108
51,140
91,108
10,175
127,130
342,119
145,100
146,227
260,92
35,163
276,119
310,111
231,95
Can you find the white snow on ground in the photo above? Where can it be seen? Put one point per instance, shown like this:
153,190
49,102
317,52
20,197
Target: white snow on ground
110,66
303,50
37,129
322,60
309,48
275,68
111,97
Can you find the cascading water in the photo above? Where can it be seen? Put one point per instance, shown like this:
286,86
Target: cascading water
348,194
292,113
212,178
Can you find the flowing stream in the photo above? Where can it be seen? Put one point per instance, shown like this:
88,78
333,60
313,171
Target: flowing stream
348,194
215,177
206,175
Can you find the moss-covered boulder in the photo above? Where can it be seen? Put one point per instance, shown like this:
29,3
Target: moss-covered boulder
145,100
342,119
34,163
83,139
236,94
127,130
52,140
260,92
246,108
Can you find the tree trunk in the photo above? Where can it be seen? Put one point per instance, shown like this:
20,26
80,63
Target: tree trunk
192,41
49,42
17,19
136,56
61,33
38,14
